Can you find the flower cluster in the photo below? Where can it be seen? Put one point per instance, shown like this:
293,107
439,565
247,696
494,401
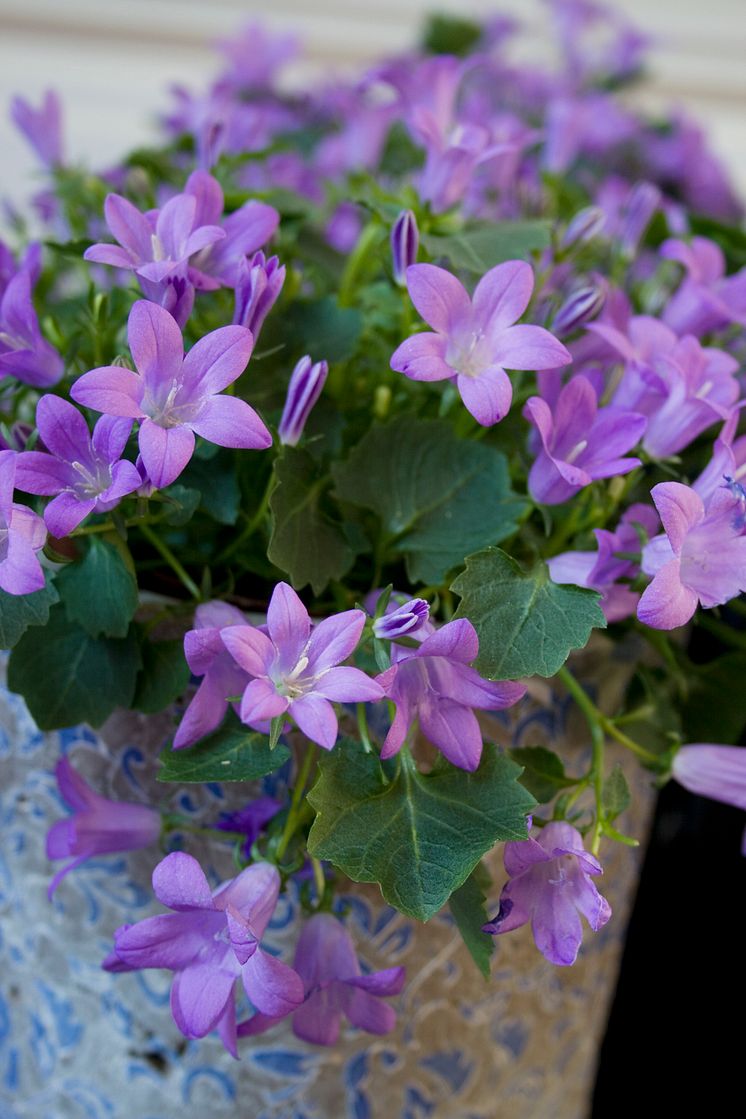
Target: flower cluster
482,329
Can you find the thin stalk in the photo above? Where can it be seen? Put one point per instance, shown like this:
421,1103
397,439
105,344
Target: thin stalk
356,262
300,783
362,728
250,528
171,560
598,742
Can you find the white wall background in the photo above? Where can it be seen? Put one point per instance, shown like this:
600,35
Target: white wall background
111,60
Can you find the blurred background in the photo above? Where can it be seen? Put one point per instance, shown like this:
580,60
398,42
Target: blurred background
112,59
669,1043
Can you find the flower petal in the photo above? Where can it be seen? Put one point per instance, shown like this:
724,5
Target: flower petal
487,397
334,639
155,342
111,389
261,701
199,998
179,882
439,297
218,358
165,451
231,422
667,603
503,294
288,624
316,718
250,648
273,987
348,685
679,507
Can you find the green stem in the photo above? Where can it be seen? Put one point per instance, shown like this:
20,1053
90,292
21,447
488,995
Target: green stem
357,260
109,526
598,741
300,783
250,528
362,728
171,560
596,717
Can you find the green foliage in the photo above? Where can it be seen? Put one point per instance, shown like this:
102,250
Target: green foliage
215,479
446,34
68,677
163,677
182,504
543,772
714,710
419,836
467,905
99,591
482,246
323,329
437,497
526,624
232,753
615,795
305,542
19,611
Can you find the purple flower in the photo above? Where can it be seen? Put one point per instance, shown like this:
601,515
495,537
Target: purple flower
258,284
709,770
157,247
174,396
24,352
602,570
42,127
22,535
580,442
244,231
294,666
401,621
550,886
587,224
334,987
98,826
208,657
706,299
690,389
211,940
86,472
702,558
476,340
306,382
405,240
434,683
254,56
250,820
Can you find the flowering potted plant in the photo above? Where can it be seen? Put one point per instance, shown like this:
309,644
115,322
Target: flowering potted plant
336,422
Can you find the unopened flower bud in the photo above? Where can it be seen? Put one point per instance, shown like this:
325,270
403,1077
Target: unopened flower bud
644,199
402,621
582,306
586,225
405,241
259,284
305,387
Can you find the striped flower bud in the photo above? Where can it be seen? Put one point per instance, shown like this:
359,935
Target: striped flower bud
305,387
403,620
260,282
582,306
586,225
405,241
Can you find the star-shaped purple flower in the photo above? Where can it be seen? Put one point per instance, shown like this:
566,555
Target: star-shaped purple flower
334,987
244,231
435,684
174,396
22,535
295,666
211,940
580,442
550,886
475,340
24,352
87,473
98,826
700,560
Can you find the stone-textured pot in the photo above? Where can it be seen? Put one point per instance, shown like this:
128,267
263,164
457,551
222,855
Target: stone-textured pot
78,1043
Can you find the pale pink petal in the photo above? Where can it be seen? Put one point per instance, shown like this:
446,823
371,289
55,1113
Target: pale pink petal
679,507
667,603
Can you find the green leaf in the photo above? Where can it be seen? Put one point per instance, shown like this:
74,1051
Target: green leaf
543,772
215,478
305,542
446,34
714,710
615,794
328,330
163,677
526,624
467,905
99,591
19,611
483,246
182,504
418,835
68,677
438,497
232,753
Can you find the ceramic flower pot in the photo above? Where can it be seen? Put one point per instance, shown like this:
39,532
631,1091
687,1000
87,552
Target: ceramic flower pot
77,1042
